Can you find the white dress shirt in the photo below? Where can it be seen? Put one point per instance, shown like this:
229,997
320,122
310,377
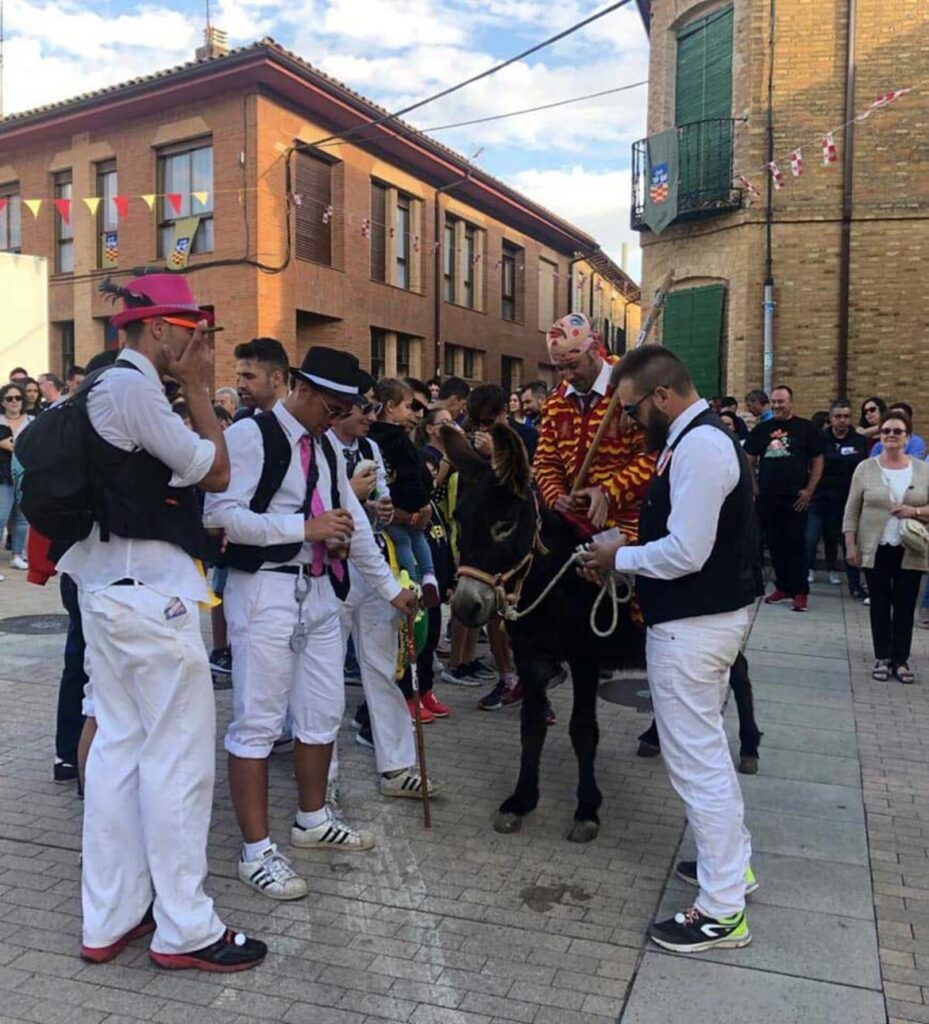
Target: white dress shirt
129,410
703,471
600,385
283,522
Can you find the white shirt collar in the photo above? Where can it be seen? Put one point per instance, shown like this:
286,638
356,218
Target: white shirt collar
686,417
130,355
292,427
600,385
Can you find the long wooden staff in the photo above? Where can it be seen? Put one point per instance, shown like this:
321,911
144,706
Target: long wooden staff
661,295
420,740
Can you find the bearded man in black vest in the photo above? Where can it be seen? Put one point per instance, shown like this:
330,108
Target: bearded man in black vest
697,576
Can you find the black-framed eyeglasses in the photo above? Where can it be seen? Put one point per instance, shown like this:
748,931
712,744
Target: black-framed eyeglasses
893,431
633,410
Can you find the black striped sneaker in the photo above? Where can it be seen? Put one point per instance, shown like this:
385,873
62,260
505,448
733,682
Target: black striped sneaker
271,875
407,782
333,834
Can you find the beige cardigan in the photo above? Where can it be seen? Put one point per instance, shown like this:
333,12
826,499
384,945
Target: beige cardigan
868,509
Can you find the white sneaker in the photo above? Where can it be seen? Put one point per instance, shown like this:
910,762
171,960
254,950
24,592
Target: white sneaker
333,834
272,875
835,579
18,562
408,783
811,576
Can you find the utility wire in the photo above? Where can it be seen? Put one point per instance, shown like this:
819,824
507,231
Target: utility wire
474,78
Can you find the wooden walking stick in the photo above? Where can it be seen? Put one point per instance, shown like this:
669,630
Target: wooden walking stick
420,741
661,295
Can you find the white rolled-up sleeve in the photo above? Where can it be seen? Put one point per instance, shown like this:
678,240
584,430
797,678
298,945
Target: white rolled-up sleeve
704,470
230,509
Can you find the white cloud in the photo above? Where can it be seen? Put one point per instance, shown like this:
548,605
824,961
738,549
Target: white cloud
596,201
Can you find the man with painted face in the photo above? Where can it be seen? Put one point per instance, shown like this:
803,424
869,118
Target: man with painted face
622,466
697,576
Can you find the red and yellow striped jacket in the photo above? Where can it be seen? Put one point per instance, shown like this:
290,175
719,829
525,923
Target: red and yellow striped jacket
621,466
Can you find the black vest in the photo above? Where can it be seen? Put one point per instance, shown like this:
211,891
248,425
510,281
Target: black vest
134,499
731,578
277,456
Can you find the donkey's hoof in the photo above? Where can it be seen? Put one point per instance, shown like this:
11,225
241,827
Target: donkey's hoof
583,831
507,823
748,765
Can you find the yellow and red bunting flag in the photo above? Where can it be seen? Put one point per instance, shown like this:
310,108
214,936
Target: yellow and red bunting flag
63,206
122,206
33,206
175,199
4,203
149,201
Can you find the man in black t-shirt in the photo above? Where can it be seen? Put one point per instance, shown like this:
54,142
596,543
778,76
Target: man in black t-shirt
787,453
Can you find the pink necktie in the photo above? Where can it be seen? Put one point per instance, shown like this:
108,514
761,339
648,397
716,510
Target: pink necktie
317,508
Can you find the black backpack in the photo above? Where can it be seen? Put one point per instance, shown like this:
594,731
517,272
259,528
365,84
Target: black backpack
60,489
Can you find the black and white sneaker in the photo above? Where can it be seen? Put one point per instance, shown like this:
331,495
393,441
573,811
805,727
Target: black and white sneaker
221,660
62,771
692,931
271,875
364,737
686,871
333,834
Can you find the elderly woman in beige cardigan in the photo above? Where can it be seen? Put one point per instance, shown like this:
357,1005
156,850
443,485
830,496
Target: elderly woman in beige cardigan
886,490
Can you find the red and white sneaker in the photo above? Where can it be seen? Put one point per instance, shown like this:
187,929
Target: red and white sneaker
431,703
425,715
800,602
234,951
776,596
103,954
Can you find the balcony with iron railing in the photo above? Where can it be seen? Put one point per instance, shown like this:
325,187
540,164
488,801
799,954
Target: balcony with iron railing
705,164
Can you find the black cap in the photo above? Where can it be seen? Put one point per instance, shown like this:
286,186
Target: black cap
332,371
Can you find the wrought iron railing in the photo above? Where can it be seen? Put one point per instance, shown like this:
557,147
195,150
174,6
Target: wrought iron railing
705,157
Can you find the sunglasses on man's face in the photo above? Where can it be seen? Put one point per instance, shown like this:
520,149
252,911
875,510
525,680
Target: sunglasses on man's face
333,414
372,408
893,431
418,406
632,411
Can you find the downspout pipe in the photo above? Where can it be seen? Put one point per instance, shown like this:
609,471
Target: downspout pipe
439,229
848,173
768,306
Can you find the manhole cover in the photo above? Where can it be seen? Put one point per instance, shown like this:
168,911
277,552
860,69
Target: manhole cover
630,691
35,625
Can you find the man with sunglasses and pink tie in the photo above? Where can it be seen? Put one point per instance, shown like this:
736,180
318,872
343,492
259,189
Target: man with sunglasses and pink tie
290,518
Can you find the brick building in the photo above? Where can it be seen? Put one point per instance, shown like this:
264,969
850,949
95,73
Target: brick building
849,243
385,242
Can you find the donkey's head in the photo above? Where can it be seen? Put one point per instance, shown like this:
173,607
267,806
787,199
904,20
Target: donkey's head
497,521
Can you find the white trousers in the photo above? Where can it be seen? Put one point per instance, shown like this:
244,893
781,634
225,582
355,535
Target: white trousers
150,771
267,676
373,624
688,675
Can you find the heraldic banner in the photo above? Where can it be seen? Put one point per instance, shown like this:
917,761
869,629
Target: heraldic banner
662,174
184,231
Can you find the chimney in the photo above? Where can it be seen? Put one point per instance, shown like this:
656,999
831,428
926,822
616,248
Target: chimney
215,43
624,258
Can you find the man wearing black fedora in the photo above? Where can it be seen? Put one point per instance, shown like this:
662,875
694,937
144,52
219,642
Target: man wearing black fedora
290,516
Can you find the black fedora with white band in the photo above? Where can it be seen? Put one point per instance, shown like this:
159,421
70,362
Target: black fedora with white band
337,373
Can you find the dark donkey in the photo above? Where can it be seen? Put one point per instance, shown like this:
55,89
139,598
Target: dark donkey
510,550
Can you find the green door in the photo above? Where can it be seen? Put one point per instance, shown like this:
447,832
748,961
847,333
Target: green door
692,328
703,99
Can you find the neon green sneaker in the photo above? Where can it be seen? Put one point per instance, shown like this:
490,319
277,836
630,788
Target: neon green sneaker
692,931
686,871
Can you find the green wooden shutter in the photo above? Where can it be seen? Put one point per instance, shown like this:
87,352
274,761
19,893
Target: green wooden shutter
692,327
703,96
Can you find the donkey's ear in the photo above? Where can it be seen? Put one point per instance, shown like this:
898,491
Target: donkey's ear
510,461
461,455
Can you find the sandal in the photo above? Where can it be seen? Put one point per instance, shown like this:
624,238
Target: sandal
904,673
881,671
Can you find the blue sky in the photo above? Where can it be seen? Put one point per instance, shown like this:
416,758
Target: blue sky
573,159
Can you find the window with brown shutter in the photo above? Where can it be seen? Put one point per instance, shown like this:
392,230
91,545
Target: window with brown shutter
313,183
378,232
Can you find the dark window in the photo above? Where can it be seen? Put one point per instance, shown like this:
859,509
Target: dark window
403,355
378,353
66,341
450,351
402,234
510,280
107,215
450,263
10,223
378,232
470,249
511,373
64,232
313,183
469,364
183,171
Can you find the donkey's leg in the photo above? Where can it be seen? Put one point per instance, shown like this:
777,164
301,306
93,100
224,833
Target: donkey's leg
585,734
534,674
749,733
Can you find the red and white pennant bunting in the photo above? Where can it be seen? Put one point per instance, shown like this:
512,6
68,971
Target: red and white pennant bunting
777,176
796,163
327,214
830,154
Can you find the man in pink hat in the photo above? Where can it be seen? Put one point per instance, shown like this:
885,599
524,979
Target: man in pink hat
149,788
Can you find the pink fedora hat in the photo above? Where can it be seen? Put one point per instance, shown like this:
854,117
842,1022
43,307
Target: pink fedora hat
155,295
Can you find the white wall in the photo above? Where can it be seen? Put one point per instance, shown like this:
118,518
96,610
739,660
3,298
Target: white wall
23,314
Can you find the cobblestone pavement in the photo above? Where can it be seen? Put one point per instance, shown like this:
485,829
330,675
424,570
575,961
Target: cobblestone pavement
462,926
